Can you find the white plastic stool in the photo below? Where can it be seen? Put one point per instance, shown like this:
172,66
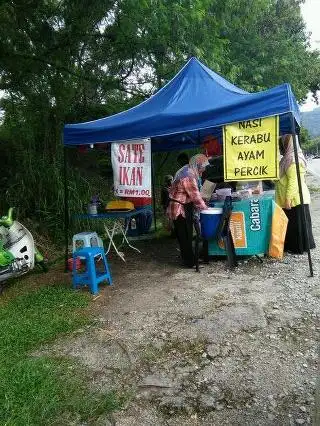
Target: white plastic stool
86,239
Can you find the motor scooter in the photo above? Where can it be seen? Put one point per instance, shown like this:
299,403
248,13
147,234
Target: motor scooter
18,253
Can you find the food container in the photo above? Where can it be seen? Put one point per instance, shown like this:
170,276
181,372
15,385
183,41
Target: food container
121,205
77,262
223,193
92,208
245,193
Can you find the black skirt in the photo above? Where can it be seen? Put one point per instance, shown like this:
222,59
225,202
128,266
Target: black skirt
183,227
296,238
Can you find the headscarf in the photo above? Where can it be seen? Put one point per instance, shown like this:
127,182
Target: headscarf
192,169
288,156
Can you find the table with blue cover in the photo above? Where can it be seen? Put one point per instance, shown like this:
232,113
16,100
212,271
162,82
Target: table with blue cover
120,222
251,224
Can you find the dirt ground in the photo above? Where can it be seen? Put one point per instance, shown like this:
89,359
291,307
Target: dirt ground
217,347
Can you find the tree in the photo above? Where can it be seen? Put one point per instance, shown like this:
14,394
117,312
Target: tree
268,45
62,61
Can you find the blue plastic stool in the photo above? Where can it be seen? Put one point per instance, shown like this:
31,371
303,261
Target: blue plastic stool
91,276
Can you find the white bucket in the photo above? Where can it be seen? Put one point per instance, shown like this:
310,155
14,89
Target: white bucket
212,210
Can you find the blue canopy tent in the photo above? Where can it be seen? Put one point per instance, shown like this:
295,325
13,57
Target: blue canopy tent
196,102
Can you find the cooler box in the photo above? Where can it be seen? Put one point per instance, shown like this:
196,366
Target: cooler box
250,226
141,222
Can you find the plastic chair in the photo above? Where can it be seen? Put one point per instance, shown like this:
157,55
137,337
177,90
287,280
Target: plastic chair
92,276
86,239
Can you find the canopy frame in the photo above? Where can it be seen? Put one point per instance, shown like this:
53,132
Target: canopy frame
156,118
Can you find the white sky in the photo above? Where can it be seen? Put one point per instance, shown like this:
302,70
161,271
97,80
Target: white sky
311,15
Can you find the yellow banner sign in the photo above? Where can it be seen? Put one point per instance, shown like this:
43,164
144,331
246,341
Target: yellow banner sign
250,149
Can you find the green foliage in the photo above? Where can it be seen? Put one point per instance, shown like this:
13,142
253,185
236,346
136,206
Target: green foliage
311,120
54,308
38,390
312,146
65,62
308,144
304,136
43,391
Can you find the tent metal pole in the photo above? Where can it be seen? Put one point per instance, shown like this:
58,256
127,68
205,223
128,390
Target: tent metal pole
164,160
66,207
304,219
153,193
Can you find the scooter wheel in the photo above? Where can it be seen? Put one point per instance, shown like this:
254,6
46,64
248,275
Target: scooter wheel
2,286
43,266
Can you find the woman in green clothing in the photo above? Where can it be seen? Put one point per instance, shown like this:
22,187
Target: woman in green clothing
287,196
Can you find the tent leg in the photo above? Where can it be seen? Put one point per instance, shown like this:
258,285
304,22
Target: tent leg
66,208
304,219
153,193
164,160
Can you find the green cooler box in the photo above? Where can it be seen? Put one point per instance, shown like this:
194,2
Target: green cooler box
250,226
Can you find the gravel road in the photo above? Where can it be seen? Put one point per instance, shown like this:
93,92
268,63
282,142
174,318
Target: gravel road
217,347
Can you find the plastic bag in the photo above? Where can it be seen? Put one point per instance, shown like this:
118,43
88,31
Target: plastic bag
278,233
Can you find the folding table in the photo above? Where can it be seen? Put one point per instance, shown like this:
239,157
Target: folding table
119,225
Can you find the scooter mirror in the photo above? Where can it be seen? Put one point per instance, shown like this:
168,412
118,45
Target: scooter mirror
7,221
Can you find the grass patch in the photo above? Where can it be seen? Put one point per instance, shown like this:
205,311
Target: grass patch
41,390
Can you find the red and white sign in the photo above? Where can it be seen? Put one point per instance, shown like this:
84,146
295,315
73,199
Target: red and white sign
131,163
